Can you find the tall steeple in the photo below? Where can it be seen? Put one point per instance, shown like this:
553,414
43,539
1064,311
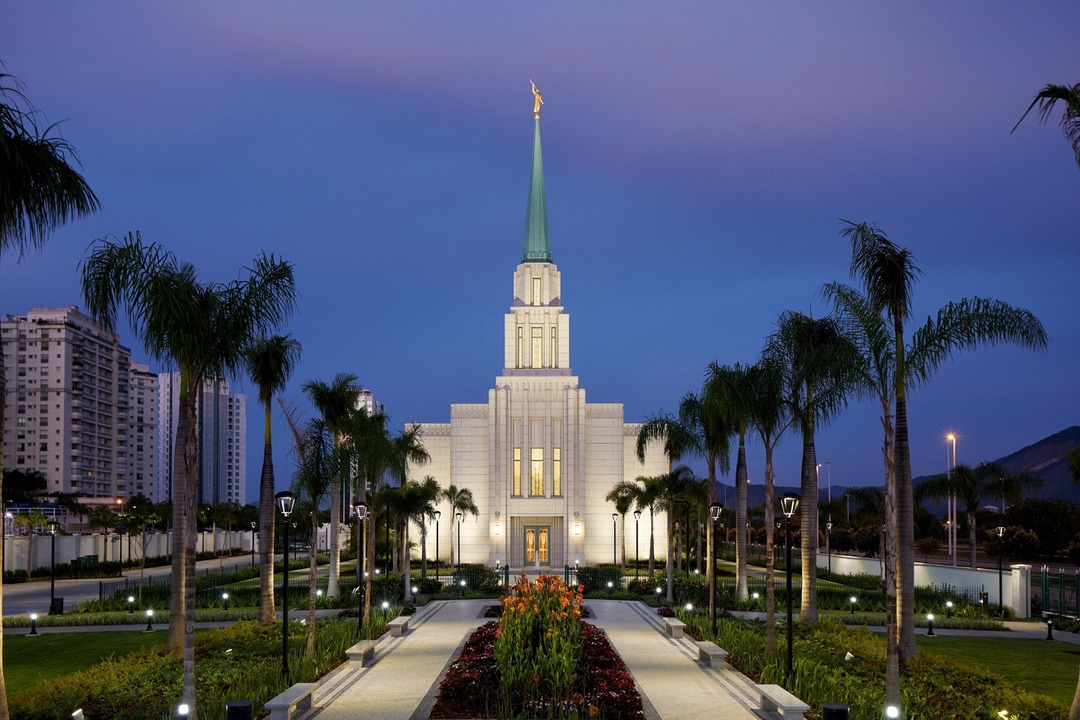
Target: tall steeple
537,244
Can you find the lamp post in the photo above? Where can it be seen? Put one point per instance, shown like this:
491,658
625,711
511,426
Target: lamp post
253,526
828,543
714,514
637,544
360,509
285,502
53,525
614,538
458,516
789,503
438,515
1001,551
952,521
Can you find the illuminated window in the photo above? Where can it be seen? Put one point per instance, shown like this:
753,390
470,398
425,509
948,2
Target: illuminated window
537,346
536,291
537,476
554,347
520,345
556,471
517,471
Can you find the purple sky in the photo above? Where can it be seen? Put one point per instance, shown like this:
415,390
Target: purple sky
697,159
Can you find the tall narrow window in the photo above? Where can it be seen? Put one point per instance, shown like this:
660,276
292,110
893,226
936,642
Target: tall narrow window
536,291
556,471
520,346
537,346
517,471
554,360
537,478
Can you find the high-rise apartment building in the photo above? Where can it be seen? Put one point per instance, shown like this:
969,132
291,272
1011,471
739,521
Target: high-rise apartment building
142,429
222,420
68,403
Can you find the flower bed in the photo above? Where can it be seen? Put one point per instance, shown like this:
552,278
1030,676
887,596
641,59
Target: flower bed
538,661
602,689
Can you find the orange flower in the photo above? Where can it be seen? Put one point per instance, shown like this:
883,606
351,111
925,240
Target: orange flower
593,711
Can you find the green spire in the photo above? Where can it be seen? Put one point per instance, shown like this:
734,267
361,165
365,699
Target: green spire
537,245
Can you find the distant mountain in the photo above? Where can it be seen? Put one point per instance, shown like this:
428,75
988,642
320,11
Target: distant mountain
1045,458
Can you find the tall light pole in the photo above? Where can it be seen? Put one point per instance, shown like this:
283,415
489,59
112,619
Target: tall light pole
458,516
789,503
637,545
714,514
53,525
360,510
285,502
1001,551
438,515
828,544
253,534
615,539
951,500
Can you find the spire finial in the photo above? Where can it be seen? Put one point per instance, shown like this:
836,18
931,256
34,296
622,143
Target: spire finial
538,100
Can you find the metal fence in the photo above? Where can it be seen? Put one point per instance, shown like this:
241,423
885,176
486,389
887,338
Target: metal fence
1059,593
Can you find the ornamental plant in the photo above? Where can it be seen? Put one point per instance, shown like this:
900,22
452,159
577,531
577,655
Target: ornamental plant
538,641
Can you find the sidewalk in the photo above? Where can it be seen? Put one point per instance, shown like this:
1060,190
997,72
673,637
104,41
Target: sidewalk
403,681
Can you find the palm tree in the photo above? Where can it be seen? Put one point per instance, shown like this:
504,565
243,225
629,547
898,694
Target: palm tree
816,358
622,495
413,502
269,362
34,522
334,401
377,454
646,499
770,417
317,461
670,489
732,386
430,492
203,329
1070,120
40,191
461,501
887,273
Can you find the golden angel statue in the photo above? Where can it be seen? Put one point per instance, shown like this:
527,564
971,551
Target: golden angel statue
538,100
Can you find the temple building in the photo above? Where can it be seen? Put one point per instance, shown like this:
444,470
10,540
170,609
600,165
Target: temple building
536,456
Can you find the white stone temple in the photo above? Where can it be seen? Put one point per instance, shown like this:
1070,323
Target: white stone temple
537,457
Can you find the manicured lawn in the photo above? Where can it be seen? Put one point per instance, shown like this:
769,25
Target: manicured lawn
49,655
1044,667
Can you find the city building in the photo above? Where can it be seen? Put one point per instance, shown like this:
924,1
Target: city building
143,429
222,420
67,411
538,459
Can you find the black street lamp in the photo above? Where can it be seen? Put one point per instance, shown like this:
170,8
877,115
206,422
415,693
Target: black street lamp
1001,551
53,525
714,513
438,514
637,544
361,511
615,539
458,516
253,525
828,545
789,503
285,502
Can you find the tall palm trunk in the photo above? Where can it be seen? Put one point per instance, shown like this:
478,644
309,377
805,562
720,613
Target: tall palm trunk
175,643
406,562
711,571
312,583
423,550
770,559
266,528
652,543
670,525
905,507
741,539
190,537
333,587
622,530
809,517
892,648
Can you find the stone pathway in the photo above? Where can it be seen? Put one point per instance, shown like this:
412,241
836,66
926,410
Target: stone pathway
402,683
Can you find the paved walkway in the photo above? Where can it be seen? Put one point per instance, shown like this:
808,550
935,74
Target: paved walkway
402,683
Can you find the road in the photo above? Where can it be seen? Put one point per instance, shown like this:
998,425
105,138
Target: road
31,597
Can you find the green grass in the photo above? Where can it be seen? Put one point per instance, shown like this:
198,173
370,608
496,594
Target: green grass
1036,665
50,655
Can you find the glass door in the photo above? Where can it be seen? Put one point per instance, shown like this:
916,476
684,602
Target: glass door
537,545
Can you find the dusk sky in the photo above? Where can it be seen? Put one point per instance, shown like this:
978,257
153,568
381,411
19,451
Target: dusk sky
698,158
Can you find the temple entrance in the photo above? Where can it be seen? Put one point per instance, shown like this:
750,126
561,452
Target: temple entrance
537,545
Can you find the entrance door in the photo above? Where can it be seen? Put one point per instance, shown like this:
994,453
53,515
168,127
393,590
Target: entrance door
537,545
